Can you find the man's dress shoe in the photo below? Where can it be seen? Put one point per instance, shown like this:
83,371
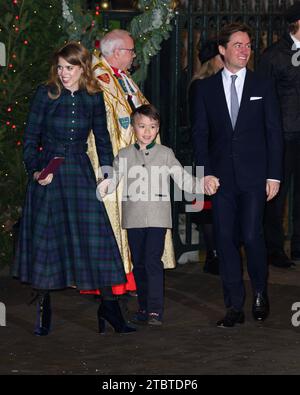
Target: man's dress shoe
260,307
231,318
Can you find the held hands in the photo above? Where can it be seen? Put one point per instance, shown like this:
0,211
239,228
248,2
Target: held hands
44,181
211,185
272,188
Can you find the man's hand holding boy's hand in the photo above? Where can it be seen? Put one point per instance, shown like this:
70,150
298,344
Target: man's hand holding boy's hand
211,185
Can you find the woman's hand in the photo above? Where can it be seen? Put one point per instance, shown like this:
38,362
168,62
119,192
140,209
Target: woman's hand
102,187
45,181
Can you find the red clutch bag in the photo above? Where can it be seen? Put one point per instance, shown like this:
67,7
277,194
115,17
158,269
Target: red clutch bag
52,167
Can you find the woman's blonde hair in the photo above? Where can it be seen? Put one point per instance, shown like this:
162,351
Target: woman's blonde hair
206,70
77,55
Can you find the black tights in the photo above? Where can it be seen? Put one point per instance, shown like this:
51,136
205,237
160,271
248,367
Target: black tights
106,293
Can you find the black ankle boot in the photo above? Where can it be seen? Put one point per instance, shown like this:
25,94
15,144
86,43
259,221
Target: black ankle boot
43,319
109,310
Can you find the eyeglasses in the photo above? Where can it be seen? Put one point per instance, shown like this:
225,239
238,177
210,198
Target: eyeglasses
132,50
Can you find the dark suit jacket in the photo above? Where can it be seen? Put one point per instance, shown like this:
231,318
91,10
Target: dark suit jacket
254,148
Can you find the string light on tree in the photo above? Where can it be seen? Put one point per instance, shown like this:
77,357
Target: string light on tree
105,4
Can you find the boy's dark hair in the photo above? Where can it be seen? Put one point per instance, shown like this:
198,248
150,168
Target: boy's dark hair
148,110
230,29
293,27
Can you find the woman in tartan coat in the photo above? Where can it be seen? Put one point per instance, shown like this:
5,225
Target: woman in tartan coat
65,236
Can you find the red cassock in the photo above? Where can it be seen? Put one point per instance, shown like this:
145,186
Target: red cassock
119,289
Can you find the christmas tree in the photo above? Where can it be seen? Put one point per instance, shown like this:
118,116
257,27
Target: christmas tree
29,32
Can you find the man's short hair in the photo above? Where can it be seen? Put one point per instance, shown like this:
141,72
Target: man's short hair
112,41
148,110
230,29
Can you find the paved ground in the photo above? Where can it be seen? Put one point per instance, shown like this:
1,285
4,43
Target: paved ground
188,342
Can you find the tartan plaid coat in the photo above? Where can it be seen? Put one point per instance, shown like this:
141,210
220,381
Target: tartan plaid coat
65,236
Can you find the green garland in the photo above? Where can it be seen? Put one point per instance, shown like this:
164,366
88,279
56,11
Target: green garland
80,25
148,29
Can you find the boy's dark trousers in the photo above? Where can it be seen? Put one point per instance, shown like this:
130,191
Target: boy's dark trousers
146,247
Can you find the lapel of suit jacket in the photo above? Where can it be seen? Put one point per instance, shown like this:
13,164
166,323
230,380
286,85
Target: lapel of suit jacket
245,99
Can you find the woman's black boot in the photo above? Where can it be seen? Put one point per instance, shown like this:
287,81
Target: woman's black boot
109,311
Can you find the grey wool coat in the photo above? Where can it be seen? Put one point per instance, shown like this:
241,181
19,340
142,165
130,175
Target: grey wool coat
145,174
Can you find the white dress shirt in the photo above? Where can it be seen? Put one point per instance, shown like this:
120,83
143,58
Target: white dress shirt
239,84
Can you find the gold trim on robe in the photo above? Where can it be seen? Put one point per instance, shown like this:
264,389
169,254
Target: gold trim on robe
121,133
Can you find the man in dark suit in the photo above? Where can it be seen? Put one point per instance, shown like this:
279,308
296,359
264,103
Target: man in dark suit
237,137
281,62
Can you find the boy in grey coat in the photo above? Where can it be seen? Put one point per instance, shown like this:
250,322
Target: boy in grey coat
145,168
